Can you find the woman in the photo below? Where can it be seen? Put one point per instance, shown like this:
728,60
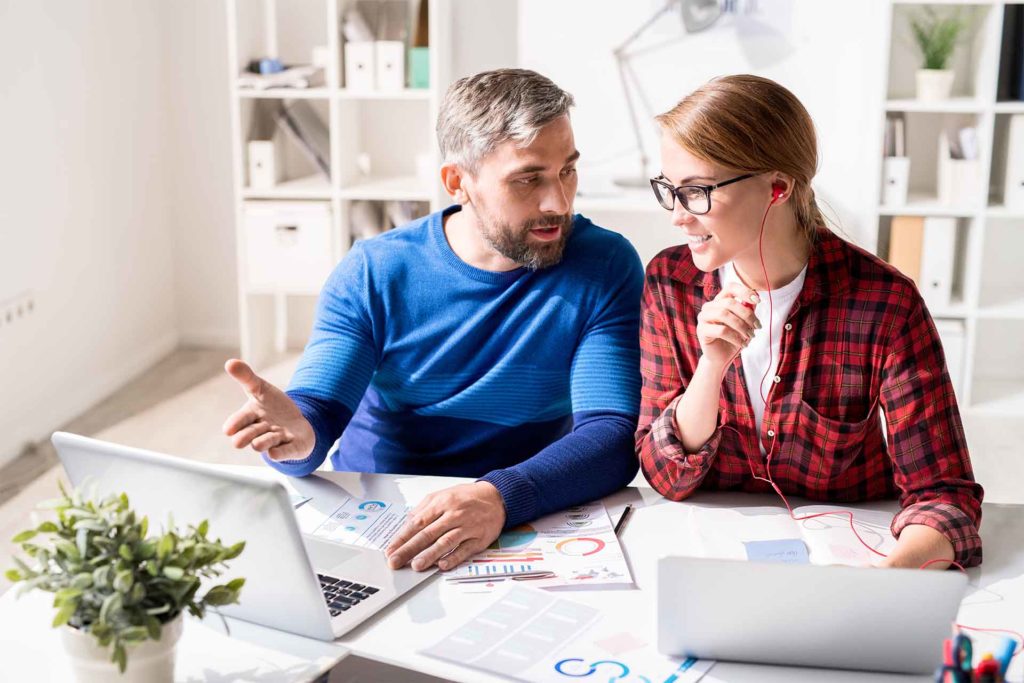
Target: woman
769,343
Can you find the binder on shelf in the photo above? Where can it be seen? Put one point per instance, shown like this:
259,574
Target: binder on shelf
1013,192
938,261
896,180
906,240
1011,53
959,166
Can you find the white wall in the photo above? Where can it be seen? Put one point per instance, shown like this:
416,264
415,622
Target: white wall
84,206
830,53
202,211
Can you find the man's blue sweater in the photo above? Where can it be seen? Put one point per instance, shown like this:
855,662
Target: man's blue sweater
529,380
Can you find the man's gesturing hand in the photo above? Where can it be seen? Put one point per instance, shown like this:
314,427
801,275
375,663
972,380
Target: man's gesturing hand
448,527
269,421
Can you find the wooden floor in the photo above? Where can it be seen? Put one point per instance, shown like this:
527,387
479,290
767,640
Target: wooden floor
174,374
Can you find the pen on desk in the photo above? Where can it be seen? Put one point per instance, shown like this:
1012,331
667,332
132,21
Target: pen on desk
622,518
501,576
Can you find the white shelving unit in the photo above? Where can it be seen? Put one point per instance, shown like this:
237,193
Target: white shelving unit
394,130
989,282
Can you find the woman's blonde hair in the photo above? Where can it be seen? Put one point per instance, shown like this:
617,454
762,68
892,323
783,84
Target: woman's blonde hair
753,125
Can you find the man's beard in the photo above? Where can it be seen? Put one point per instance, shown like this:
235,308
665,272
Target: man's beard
515,245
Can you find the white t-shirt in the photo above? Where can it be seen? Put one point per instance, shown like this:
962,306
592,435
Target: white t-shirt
756,356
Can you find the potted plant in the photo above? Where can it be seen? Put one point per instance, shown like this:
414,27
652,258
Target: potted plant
936,36
120,594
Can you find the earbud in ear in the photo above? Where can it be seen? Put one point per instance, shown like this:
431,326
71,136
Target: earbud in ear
778,190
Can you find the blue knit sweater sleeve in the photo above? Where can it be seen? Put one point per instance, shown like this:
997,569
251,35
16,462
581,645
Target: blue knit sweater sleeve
338,361
597,457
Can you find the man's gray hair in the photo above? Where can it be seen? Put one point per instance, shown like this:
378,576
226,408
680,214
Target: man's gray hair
482,111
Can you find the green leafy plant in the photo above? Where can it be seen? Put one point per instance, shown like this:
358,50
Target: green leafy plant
111,579
937,35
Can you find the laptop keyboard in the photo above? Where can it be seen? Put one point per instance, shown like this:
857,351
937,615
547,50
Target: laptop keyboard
342,595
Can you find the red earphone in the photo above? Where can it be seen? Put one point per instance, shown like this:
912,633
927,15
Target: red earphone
778,190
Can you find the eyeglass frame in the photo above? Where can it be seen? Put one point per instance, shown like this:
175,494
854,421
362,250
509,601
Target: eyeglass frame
662,181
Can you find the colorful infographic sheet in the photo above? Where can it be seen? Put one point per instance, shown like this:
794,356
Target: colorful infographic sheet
531,635
577,546
363,523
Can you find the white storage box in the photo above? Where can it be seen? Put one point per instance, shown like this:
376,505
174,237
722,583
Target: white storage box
264,171
390,62
360,69
287,246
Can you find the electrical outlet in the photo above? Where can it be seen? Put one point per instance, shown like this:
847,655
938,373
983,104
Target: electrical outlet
17,309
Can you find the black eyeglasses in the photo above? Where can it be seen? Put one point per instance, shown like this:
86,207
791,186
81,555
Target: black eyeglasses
695,198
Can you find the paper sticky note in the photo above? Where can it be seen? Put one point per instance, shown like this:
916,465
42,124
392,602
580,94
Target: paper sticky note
785,550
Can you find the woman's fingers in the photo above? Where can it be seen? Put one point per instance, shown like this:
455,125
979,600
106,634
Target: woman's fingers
730,312
714,331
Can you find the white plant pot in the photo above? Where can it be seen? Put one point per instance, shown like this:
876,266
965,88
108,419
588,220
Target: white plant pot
934,84
151,661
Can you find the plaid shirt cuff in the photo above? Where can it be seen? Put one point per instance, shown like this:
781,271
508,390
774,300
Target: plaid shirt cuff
951,521
668,444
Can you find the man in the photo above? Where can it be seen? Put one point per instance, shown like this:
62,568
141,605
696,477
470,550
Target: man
496,339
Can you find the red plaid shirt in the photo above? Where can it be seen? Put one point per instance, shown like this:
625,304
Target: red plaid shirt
858,338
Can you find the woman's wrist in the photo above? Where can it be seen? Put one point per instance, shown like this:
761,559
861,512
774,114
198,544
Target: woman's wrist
713,369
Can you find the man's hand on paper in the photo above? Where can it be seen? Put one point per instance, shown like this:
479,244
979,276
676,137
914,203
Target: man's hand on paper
449,526
269,421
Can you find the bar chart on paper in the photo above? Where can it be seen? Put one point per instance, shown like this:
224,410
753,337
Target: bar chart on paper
576,548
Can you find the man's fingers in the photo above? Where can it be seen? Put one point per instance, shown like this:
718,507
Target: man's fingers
444,545
244,375
463,552
241,418
271,438
244,437
286,450
412,540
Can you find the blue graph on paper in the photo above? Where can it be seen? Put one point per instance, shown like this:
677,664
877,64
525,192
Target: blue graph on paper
489,569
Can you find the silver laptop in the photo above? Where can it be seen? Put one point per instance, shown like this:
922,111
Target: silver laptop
293,582
835,617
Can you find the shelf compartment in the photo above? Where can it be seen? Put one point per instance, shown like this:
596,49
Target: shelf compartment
970,62
314,186
389,188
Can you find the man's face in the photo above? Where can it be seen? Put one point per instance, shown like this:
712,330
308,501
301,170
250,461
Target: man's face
523,196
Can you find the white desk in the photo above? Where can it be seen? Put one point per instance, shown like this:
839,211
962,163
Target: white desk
29,647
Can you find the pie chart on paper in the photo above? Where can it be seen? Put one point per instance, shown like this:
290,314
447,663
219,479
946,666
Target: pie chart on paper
580,547
517,537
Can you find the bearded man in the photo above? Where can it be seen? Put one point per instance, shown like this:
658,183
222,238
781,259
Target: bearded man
496,339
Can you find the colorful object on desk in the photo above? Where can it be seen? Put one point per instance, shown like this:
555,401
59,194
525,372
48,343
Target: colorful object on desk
987,670
1005,654
957,654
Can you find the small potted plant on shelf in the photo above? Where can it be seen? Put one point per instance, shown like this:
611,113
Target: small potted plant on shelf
936,35
120,594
